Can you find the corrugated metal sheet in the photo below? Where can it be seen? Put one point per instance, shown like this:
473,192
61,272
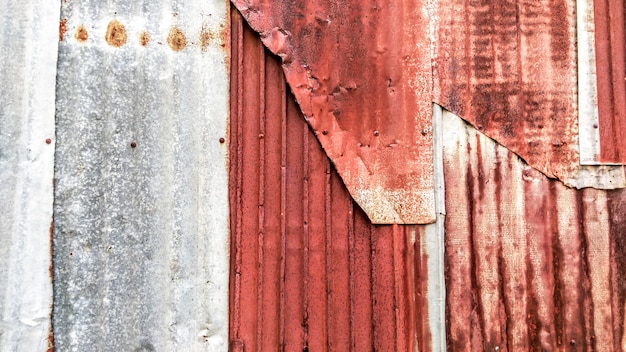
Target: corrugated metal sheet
310,271
141,202
27,69
510,69
609,19
361,73
530,264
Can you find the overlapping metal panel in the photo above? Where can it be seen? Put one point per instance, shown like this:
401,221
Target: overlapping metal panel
141,195
361,73
531,265
309,270
510,69
28,49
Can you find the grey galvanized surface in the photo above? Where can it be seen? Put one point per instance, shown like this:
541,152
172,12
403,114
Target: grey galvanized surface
141,196
28,52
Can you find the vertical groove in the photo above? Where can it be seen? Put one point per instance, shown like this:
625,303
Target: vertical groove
239,188
373,287
283,210
396,289
305,219
328,235
351,274
261,205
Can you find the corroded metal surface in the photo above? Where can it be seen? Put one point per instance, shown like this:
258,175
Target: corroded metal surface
309,270
141,202
510,69
28,53
530,264
361,73
610,26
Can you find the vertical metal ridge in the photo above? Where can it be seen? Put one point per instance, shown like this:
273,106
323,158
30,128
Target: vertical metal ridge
283,211
305,234
328,249
261,205
373,288
351,274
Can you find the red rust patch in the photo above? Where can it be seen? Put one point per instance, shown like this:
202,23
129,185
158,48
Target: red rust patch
144,38
176,39
81,34
116,34
62,29
206,36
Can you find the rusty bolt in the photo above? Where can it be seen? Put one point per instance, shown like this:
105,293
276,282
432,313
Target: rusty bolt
48,140
133,144
261,136
595,125
376,133
324,132
222,140
572,342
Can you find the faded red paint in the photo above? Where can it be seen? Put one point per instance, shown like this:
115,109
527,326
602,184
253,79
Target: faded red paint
509,68
611,78
309,270
361,73
530,264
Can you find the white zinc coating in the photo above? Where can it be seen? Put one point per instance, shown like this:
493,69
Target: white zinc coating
141,192
28,53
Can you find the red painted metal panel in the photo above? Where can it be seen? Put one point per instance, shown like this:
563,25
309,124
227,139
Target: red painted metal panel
611,75
309,272
530,264
509,68
361,73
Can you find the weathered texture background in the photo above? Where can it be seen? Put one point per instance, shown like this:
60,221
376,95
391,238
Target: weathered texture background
361,73
310,271
141,197
530,264
28,43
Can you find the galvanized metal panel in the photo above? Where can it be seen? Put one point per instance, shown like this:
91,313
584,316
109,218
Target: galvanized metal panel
141,202
530,263
361,73
27,69
510,69
309,271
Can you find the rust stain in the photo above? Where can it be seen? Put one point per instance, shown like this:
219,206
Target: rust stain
144,38
62,29
176,39
116,34
81,34
206,36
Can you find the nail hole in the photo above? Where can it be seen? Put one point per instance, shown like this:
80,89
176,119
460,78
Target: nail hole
133,144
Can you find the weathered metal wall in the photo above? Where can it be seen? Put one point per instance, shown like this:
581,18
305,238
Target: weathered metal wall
310,271
530,264
28,40
361,73
141,195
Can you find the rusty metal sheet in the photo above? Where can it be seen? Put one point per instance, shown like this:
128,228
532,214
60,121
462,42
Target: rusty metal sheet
361,73
610,43
530,263
28,55
309,271
141,192
510,69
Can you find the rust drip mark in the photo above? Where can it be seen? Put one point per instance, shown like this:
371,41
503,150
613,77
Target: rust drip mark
62,29
144,38
176,39
116,34
81,34
206,37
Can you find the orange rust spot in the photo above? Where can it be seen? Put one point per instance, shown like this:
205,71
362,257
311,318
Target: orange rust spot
81,34
176,39
144,38
62,29
116,34
206,37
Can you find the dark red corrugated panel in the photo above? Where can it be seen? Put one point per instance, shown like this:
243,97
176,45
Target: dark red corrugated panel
611,75
309,272
361,73
509,68
530,264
